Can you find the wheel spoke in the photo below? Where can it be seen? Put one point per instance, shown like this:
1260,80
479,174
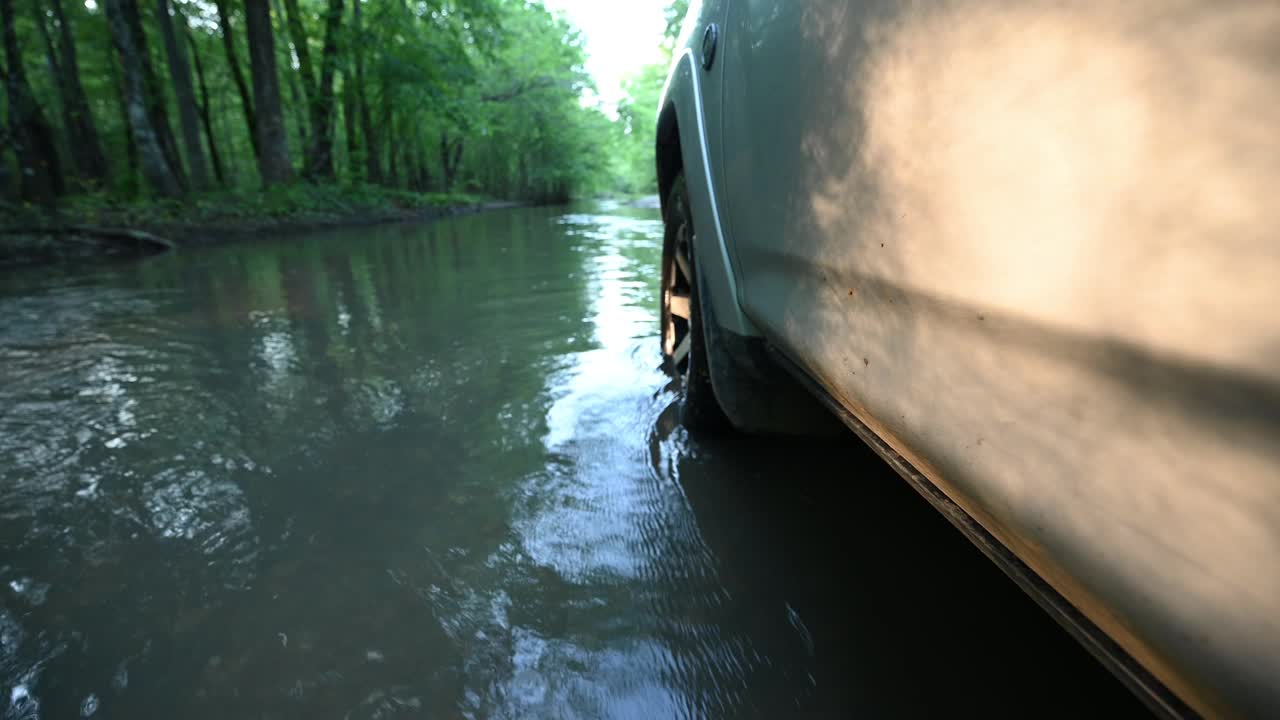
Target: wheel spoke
679,305
681,351
683,263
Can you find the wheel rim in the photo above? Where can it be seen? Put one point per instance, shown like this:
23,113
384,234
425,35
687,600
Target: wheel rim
677,298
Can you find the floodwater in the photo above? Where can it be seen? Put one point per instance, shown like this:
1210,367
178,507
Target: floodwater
434,470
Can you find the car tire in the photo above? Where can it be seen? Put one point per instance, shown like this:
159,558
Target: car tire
684,349
727,380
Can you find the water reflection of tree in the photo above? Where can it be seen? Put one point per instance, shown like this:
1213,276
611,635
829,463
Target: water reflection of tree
414,351
332,415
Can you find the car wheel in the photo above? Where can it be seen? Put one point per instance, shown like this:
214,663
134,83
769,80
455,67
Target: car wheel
684,350
727,380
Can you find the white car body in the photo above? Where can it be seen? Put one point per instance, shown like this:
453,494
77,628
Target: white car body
1031,252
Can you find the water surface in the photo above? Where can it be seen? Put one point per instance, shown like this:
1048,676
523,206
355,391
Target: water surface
435,471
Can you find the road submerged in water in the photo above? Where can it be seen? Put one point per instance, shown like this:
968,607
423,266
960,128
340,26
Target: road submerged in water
433,470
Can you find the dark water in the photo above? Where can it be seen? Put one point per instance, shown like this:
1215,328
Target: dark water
433,471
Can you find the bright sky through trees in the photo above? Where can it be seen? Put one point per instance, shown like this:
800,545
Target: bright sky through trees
622,36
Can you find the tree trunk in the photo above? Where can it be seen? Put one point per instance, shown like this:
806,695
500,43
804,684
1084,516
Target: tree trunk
206,116
393,170
424,168
299,108
82,132
444,160
8,185
55,73
450,159
320,153
522,176
154,92
40,177
298,36
246,102
296,101
375,145
151,155
319,146
130,147
373,172
410,168
457,156
91,155
273,160
349,124
180,74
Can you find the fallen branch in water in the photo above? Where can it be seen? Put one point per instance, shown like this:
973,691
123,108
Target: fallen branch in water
137,237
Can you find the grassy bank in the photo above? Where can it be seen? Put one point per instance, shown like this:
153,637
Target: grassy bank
210,216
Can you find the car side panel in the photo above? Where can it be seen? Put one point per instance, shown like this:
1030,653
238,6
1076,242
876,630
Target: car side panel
1033,245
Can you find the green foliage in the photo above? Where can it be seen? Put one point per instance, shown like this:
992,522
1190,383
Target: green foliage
638,112
535,139
674,15
637,116
431,98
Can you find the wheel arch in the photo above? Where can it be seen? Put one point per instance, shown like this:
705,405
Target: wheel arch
681,145
667,152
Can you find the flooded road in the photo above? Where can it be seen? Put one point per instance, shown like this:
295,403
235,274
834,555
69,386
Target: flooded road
435,471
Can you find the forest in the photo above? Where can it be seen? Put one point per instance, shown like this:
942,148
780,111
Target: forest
198,102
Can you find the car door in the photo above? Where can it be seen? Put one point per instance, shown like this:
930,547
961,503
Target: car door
1031,245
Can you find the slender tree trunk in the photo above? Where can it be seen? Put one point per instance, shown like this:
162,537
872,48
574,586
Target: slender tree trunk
40,175
450,158
349,125
447,174
319,146
299,107
55,73
206,116
156,107
151,155
457,156
320,155
130,147
373,172
8,185
424,168
300,110
180,74
393,169
410,168
82,132
419,162
273,162
389,178
246,101
298,36
225,127
297,102
372,157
